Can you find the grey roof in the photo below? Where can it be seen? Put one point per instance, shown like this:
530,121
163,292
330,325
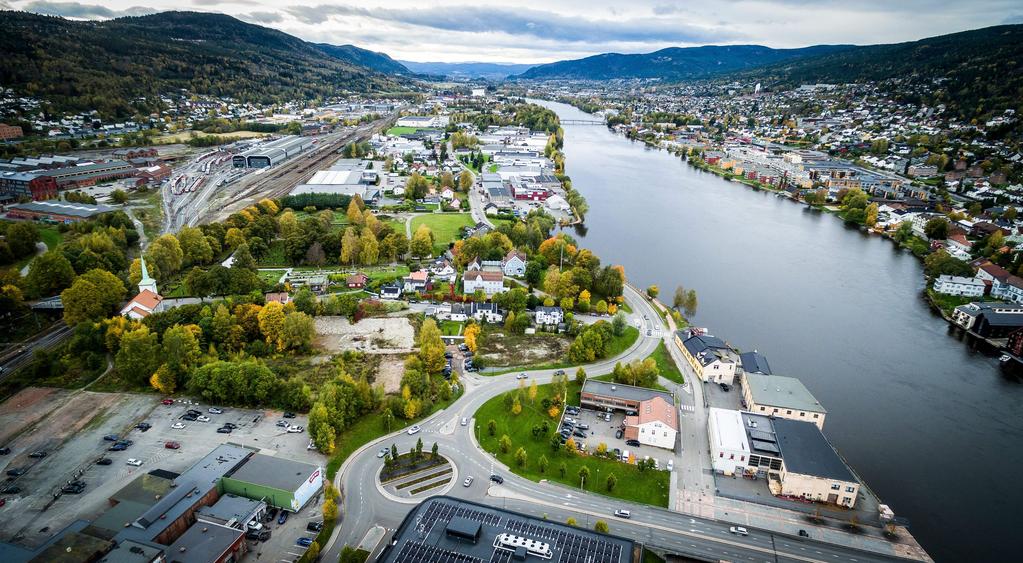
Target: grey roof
133,552
781,391
423,538
202,543
232,507
806,451
709,345
627,392
755,362
274,472
63,208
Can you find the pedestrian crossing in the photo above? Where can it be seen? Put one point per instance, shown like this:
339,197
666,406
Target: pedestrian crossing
689,408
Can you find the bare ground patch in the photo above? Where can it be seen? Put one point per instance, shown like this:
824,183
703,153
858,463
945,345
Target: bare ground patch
374,335
390,371
504,350
26,408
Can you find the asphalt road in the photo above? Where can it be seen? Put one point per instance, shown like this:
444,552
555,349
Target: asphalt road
24,353
365,506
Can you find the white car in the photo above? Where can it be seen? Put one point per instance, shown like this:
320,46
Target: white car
467,482
177,426
465,421
215,410
671,465
134,462
623,514
414,429
522,376
203,418
738,530
295,429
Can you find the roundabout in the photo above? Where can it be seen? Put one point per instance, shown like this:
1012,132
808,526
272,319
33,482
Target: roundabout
412,478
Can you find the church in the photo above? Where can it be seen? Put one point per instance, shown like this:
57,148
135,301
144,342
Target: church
148,300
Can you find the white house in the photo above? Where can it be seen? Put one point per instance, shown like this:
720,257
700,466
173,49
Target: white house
709,356
442,270
485,312
416,281
549,316
458,312
514,264
655,424
447,194
491,283
956,285
390,291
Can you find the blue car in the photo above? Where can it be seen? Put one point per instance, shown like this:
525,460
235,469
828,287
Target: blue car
282,518
304,542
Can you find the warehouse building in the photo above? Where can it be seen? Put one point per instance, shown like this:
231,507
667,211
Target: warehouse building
350,177
783,397
794,456
443,528
283,483
32,185
56,211
272,153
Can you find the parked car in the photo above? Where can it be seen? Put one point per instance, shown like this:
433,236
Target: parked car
17,472
117,448
37,455
448,354
295,429
725,386
172,445
282,518
619,434
215,410
582,426
202,418
578,433
73,488
304,542
282,424
5,450
572,410
314,526
497,478
104,461
257,535
10,490
633,443
623,514
414,429
223,430
463,348
467,482
134,462
738,530
607,417
189,417
168,401
143,426
671,465
289,415
177,426
230,425
111,437
193,411
618,453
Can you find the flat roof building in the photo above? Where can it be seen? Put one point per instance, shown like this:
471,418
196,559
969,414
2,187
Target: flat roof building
207,543
448,529
607,395
56,211
784,397
283,483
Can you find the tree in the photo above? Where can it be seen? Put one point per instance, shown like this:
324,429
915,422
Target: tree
119,196
312,553
433,451
49,274
422,242
571,521
271,322
601,527
471,334
542,463
532,391
505,443
297,332
370,252
92,296
601,308
618,324
563,469
679,299
355,214
937,228
181,349
321,431
691,303
419,448
195,248
516,408
855,199
584,474
871,215
329,510
521,456
349,246
465,181
139,355
611,481
22,238
431,347
652,291
491,427
165,254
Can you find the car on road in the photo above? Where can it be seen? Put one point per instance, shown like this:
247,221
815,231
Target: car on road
314,526
295,429
382,452
304,542
134,462
215,410
37,455
282,518
177,426
738,530
725,387
111,437
143,426
804,534
172,445
497,478
168,401
465,421
467,482
559,372
17,471
671,465
73,488
623,514
633,443
10,490
522,376
414,429
223,430
104,461
5,450
202,418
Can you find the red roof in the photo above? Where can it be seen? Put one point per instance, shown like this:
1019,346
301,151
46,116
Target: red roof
485,275
652,410
147,299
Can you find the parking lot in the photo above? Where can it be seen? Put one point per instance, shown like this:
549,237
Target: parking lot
282,545
603,431
72,434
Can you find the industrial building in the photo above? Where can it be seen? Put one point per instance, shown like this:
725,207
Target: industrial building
794,456
272,153
20,185
784,397
56,211
443,528
283,483
350,176
651,416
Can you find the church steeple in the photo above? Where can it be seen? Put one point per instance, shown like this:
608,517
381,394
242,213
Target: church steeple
146,282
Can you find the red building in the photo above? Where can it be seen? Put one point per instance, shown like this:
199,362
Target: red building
530,192
28,184
10,131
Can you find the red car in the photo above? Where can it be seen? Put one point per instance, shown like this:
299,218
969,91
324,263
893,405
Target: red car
172,445
168,401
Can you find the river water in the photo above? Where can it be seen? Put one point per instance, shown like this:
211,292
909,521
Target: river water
932,425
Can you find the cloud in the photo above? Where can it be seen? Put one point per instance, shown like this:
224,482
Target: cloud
524,22
1014,19
83,11
262,17
667,9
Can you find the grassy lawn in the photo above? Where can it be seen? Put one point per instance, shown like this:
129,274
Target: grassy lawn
621,343
446,227
275,257
394,131
51,236
492,168
949,302
183,136
270,277
450,328
615,347
666,365
649,487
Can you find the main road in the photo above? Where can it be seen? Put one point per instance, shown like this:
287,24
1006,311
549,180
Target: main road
366,506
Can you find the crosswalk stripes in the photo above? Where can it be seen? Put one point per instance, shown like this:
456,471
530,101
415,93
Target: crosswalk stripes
689,408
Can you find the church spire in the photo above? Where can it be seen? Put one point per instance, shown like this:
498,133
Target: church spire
146,282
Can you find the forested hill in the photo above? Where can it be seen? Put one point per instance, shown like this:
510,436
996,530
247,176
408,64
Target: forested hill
120,66
977,70
674,63
372,60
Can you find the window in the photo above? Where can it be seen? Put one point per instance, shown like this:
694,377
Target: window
762,409
850,489
802,414
846,500
816,416
731,456
722,454
788,412
835,487
775,410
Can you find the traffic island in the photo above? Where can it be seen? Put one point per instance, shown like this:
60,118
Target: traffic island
410,475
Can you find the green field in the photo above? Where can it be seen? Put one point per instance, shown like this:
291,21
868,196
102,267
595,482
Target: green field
618,345
446,227
395,131
666,365
650,487
51,236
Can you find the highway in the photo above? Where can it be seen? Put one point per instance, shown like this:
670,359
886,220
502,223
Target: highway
365,505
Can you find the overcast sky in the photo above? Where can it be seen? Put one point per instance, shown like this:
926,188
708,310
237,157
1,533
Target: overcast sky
535,31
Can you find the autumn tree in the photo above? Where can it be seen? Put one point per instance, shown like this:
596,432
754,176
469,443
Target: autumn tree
471,334
92,296
271,322
422,242
165,254
355,214
138,356
431,346
350,246
505,444
49,274
465,181
652,291
601,527
369,253
195,248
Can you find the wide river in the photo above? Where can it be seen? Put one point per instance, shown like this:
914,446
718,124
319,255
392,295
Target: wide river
932,426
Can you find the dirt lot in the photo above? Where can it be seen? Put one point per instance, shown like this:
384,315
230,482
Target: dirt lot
501,350
389,373
33,514
375,335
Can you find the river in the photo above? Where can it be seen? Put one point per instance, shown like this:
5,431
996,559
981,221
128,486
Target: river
932,425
